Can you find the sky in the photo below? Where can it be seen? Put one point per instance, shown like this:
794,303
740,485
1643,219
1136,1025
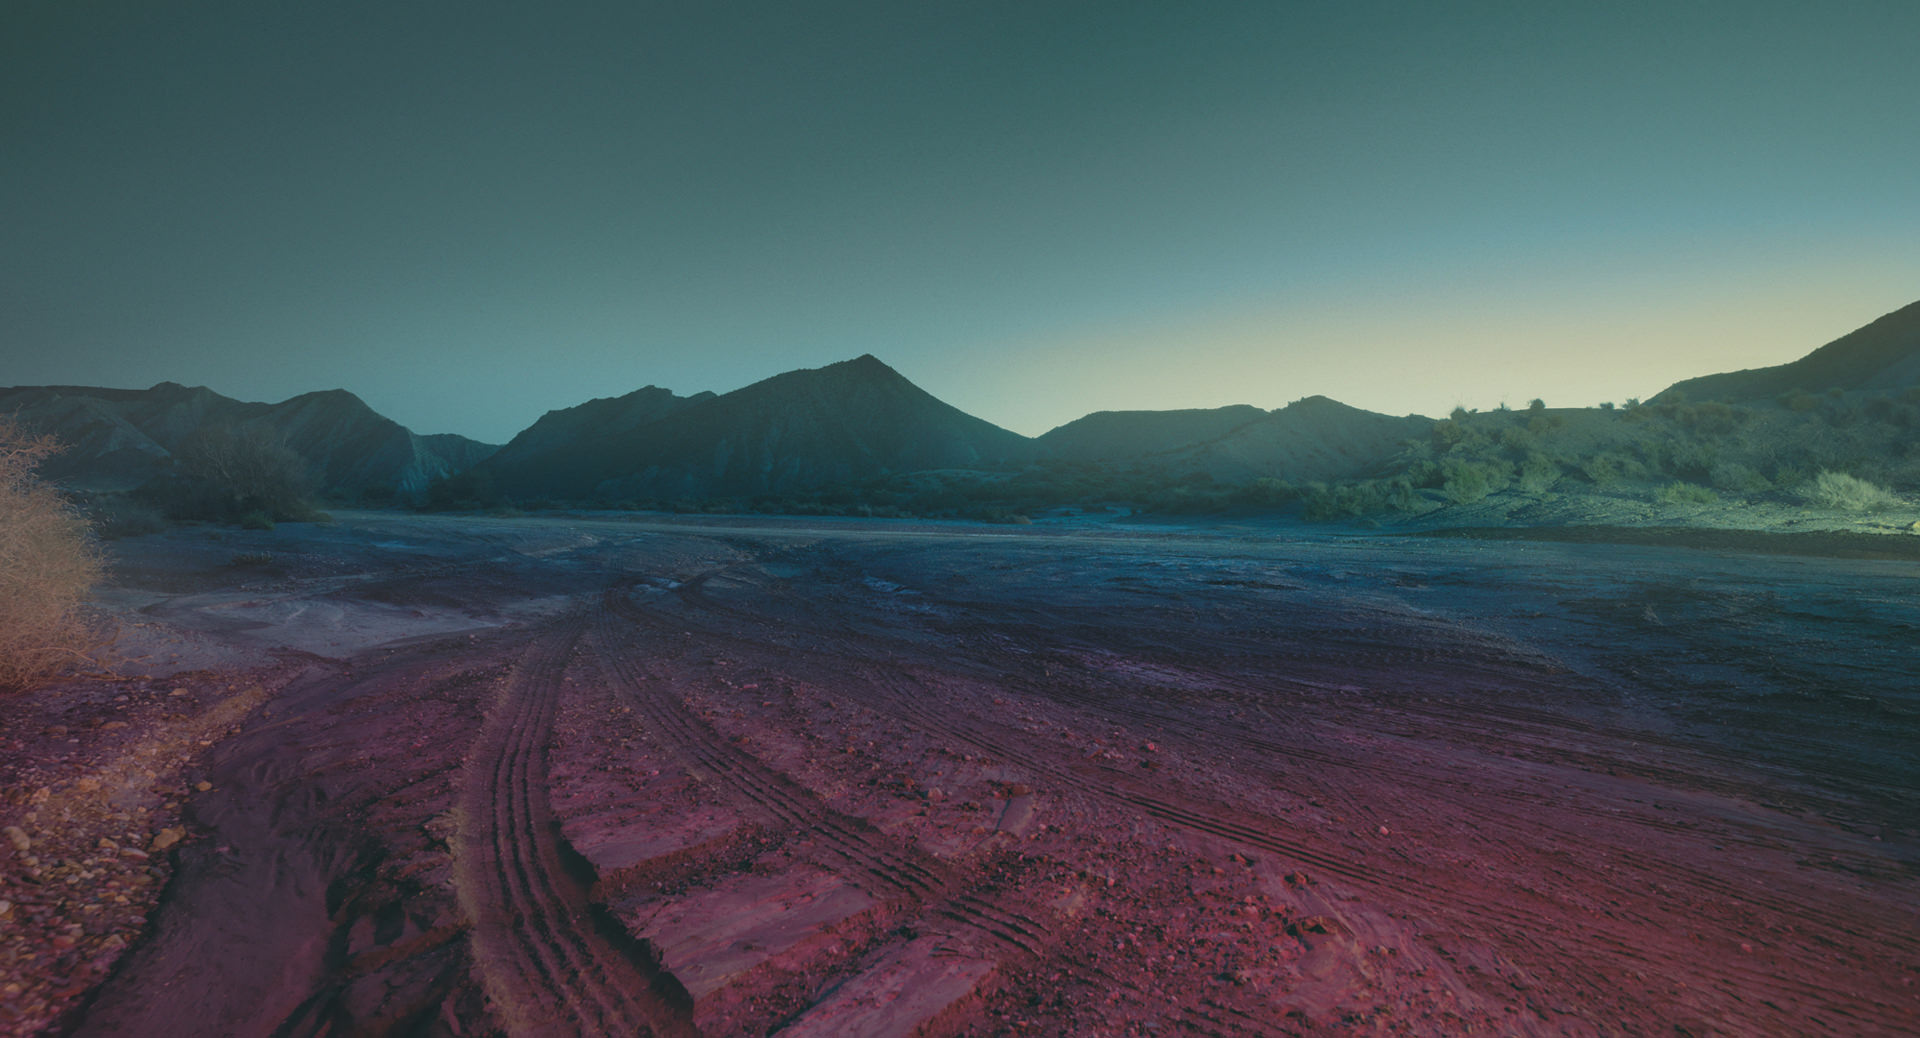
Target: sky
472,213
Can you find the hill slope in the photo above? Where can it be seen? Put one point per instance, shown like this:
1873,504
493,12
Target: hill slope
564,450
1884,355
1310,439
120,438
1122,436
848,421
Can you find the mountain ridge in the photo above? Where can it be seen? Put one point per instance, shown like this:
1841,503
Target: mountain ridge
116,439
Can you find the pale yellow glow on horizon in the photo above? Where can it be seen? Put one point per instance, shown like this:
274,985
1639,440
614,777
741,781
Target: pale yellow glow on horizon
1572,345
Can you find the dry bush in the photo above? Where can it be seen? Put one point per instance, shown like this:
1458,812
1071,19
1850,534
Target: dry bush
1847,493
47,563
232,474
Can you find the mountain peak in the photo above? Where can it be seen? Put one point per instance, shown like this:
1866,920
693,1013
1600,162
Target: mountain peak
866,365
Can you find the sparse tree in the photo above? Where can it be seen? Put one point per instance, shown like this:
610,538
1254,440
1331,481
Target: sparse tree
47,564
230,473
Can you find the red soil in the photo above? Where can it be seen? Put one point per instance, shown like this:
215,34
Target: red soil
610,778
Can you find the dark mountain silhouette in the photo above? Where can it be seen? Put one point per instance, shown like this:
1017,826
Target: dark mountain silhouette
120,438
563,450
816,429
1124,436
1884,355
804,429
1310,439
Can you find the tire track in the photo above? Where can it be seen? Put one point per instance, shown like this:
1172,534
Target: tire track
892,692
877,862
546,961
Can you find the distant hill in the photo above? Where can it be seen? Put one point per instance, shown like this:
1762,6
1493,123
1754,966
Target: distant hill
1884,355
804,429
564,450
1310,439
120,438
1121,436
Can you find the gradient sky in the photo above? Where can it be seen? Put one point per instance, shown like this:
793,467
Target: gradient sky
470,213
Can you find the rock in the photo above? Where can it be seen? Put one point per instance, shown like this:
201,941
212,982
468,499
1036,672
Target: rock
1297,879
203,785
178,692
167,837
18,837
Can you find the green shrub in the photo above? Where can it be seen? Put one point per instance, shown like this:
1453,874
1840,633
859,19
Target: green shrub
1677,493
1467,482
47,565
1799,400
1735,478
1602,469
1847,493
1354,500
256,520
1538,473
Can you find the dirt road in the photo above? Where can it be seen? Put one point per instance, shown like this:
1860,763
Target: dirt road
545,776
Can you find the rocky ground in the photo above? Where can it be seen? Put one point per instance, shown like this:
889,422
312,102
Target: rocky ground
584,776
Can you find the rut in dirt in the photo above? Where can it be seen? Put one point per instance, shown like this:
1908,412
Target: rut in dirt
549,961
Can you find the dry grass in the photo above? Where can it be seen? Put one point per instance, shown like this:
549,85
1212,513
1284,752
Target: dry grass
1847,493
47,564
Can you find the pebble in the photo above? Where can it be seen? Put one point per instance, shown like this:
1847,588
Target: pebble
18,837
167,837
203,785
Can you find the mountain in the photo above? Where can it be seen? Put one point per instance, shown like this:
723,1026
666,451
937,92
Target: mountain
804,429
1884,355
120,438
1310,439
1122,436
559,452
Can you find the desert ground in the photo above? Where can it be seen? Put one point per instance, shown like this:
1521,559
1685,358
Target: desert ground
613,775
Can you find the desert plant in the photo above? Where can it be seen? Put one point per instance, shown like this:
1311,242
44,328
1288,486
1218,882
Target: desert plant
229,473
1736,478
1538,473
1799,400
1847,493
47,564
1467,482
1601,469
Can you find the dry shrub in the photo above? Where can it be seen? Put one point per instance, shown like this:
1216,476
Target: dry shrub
47,563
1848,493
